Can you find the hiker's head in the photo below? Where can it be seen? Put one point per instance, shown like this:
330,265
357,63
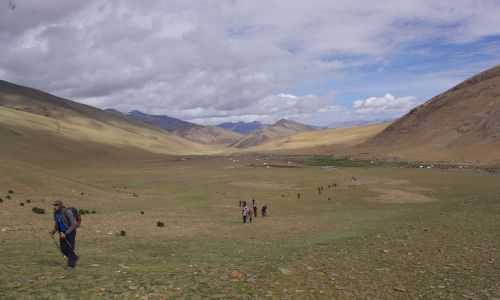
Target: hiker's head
58,204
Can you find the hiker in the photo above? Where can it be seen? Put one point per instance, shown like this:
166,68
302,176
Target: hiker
264,211
245,212
65,223
254,208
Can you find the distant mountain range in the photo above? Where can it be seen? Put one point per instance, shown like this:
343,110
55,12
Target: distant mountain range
280,129
238,134
242,127
196,133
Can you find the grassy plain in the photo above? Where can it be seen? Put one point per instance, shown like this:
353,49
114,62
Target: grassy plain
387,232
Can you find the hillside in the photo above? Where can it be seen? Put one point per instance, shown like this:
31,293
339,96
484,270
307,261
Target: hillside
314,141
280,129
462,124
27,114
209,135
161,121
242,127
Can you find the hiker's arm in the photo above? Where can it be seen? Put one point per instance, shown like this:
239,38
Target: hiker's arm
72,222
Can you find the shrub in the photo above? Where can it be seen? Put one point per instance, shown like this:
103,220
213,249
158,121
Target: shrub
93,212
22,203
8,196
160,224
123,233
1,200
11,192
28,201
142,212
38,210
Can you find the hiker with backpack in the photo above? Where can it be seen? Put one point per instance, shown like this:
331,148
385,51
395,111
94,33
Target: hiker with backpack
66,221
254,206
245,212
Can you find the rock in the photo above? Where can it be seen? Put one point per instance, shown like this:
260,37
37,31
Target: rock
236,275
399,289
285,271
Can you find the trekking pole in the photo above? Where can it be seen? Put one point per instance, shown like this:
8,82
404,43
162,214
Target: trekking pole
57,245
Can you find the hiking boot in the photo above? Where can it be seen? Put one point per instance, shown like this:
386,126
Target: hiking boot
72,263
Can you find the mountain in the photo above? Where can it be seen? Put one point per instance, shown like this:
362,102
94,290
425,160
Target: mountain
280,129
460,124
242,127
357,123
314,142
209,135
162,121
39,124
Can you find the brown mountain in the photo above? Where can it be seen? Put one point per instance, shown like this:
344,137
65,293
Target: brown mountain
37,124
209,135
461,124
280,129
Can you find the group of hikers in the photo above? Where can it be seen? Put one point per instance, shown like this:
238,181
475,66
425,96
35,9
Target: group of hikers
248,213
66,222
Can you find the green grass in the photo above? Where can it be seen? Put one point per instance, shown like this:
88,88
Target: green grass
351,163
351,247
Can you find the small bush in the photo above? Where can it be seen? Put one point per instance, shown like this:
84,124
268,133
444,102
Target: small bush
160,224
8,196
82,211
28,201
1,200
123,233
22,203
10,192
93,212
38,210
135,195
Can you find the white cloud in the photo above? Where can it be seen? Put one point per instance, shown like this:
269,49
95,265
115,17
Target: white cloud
386,105
217,59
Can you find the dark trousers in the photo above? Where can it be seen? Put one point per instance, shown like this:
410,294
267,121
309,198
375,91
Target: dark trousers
244,219
255,211
68,248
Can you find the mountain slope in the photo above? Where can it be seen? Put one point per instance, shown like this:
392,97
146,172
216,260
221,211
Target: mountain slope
161,121
310,140
280,129
209,135
242,127
461,124
24,109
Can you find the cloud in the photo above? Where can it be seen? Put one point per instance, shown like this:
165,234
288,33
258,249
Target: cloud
217,59
387,105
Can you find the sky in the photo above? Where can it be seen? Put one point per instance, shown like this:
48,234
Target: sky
321,62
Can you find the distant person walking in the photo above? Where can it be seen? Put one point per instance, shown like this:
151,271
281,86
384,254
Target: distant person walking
245,212
254,206
264,211
65,224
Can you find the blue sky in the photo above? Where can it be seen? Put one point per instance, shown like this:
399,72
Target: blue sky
320,62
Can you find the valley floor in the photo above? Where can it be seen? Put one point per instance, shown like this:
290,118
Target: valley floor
378,232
